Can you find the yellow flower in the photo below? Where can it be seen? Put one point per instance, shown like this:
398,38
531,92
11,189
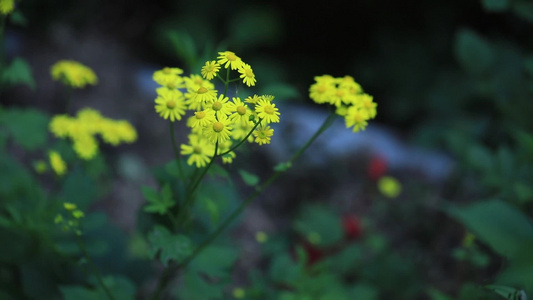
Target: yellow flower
252,99
69,206
116,132
210,69
200,151
389,186
57,163
263,134
247,74
86,146
73,73
229,59
321,90
60,125
239,293
365,101
169,77
221,106
6,7
218,130
195,81
202,95
202,118
357,118
267,111
170,104
241,112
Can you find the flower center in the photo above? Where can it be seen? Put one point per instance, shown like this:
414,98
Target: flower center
241,110
197,150
269,109
340,93
217,106
231,56
200,115
171,104
202,90
358,118
198,81
167,70
249,73
321,88
218,126
171,85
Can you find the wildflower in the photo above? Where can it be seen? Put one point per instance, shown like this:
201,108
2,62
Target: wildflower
321,91
357,118
116,132
228,157
202,118
240,131
86,146
195,81
229,59
69,206
247,74
221,105
210,69
339,96
218,130
252,99
241,112
73,73
168,77
60,125
263,134
57,163
267,111
389,186
200,151
365,102
202,94
170,105
6,7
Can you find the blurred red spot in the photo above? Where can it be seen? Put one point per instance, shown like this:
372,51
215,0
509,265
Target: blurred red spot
352,227
377,167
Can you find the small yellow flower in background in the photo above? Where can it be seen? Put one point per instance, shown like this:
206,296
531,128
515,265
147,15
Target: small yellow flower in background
357,118
40,166
170,105
314,238
253,99
468,240
247,74
263,134
239,293
57,163
169,77
195,81
210,69
229,59
228,157
69,206
267,111
72,220
73,74
85,146
60,125
366,102
261,237
389,186
6,7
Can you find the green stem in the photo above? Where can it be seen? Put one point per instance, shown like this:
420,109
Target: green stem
175,148
93,267
3,64
242,141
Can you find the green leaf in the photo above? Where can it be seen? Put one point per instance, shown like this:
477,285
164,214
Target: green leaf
168,246
284,269
158,202
196,288
473,52
319,225
282,167
249,178
18,72
435,294
503,227
215,261
28,127
495,5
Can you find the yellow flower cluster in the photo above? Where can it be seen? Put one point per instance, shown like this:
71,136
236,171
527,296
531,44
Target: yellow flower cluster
73,73
6,7
83,128
215,119
57,163
347,96
72,220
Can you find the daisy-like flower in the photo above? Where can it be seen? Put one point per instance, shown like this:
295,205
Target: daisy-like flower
263,134
202,118
339,96
170,105
210,69
267,111
116,132
321,91
357,118
366,102
247,74
200,151
60,125
85,146
218,130
229,59
202,95
169,77
241,113
57,163
195,81
221,106
73,73
6,7
252,99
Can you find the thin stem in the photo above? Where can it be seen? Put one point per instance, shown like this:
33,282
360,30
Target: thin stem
175,148
242,141
93,267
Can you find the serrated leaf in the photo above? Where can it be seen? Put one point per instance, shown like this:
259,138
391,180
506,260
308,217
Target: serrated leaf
149,193
249,178
18,72
168,246
473,52
158,202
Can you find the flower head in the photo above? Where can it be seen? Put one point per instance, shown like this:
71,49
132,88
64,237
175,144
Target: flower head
6,6
202,94
263,134
169,77
73,73
170,104
200,151
247,74
241,112
202,118
221,106
229,59
267,111
357,118
218,130
210,69
57,163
